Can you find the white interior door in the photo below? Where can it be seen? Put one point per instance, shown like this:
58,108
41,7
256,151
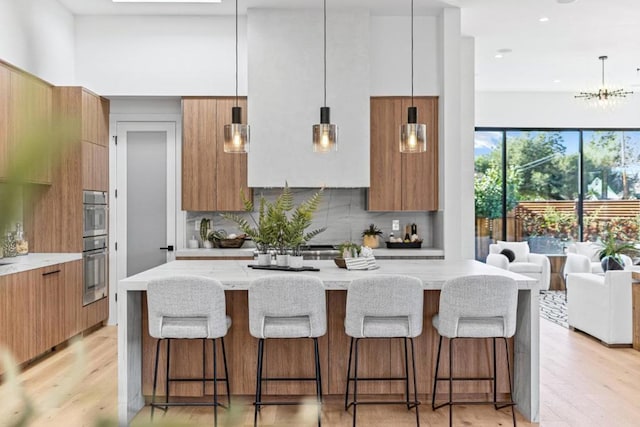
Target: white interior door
146,199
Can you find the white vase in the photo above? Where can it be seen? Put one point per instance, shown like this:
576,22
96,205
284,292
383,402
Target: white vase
282,260
264,259
207,244
295,261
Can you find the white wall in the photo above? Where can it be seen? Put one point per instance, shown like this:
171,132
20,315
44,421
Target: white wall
390,55
286,76
552,109
38,36
160,55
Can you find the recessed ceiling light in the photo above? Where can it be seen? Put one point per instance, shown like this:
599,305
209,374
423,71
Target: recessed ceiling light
556,81
166,1
565,1
499,56
543,19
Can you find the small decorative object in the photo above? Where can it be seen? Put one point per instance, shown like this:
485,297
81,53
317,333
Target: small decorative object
264,259
9,245
205,227
282,260
295,261
509,254
355,257
612,249
370,236
193,243
22,245
233,241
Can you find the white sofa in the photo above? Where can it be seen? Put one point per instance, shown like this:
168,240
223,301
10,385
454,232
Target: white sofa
526,263
584,257
600,305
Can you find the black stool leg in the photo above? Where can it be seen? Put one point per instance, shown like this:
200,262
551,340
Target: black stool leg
406,373
415,383
204,369
318,381
226,371
513,407
435,377
215,384
258,381
346,394
167,373
355,385
495,376
450,382
155,378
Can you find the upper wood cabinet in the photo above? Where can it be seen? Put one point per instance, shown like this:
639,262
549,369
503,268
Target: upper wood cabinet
402,182
25,120
211,178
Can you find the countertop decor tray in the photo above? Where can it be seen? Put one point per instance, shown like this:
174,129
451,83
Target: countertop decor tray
404,245
281,268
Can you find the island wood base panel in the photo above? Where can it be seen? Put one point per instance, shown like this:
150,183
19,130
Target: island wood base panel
378,357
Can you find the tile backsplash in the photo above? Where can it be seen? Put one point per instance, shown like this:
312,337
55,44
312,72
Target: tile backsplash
342,211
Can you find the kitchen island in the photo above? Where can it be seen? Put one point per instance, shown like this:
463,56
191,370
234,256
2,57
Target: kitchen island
134,354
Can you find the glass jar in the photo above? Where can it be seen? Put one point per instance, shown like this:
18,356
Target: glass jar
9,245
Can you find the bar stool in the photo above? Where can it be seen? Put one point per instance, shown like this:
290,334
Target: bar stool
476,307
287,306
385,306
188,307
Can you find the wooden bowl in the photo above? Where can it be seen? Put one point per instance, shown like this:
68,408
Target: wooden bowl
232,243
340,262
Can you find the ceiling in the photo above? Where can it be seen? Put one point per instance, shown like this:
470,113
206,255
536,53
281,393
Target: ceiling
558,55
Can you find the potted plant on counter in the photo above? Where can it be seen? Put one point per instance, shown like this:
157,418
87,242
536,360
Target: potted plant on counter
611,251
370,236
262,232
205,228
296,225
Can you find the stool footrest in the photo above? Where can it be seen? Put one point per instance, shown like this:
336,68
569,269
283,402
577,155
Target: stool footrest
499,405
287,379
224,380
164,405
465,379
412,403
378,379
284,403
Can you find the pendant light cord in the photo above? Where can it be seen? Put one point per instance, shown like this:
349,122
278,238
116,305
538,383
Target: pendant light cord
236,53
325,52
603,59
412,53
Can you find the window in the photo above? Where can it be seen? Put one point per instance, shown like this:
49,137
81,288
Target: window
545,199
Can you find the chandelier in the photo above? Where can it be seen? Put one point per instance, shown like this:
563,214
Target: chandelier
603,94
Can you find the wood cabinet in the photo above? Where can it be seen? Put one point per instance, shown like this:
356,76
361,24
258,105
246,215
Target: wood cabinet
42,308
95,167
25,120
211,178
402,182
53,216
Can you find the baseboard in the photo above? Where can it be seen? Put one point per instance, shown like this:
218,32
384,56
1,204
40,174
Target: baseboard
574,329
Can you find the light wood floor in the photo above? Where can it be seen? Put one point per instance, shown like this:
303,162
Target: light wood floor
582,384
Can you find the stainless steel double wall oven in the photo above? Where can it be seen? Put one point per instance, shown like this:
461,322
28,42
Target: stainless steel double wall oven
95,250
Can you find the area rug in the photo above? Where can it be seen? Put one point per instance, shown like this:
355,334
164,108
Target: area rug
553,307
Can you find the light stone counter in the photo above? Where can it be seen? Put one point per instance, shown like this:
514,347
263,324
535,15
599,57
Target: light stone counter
235,275
28,262
215,253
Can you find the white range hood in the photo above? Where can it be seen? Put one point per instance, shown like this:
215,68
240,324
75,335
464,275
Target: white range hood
285,93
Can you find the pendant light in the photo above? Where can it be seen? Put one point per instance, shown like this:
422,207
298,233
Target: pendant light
236,135
325,134
413,136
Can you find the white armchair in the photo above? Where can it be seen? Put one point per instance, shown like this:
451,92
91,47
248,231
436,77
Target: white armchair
584,257
600,305
536,266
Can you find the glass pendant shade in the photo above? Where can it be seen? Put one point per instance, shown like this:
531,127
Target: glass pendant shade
413,135
236,135
325,134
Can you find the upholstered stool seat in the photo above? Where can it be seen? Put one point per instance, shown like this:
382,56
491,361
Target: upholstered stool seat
385,306
188,307
475,307
287,306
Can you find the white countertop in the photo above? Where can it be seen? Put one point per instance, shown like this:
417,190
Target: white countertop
22,263
235,275
217,252
248,252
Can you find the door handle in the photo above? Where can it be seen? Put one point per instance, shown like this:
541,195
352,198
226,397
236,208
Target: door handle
168,248
51,272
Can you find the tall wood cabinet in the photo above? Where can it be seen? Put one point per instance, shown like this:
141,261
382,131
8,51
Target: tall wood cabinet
25,120
54,217
402,182
211,179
